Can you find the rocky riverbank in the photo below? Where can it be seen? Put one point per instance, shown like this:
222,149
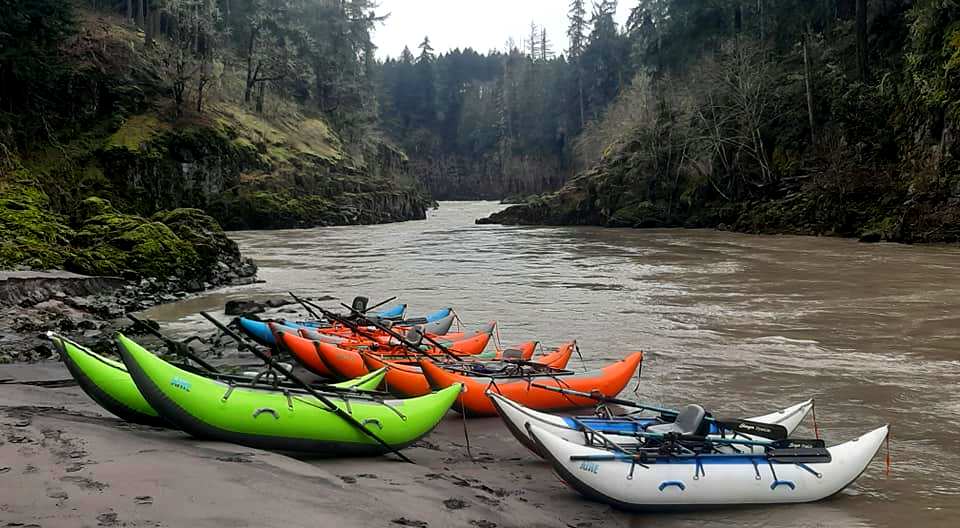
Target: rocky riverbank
88,309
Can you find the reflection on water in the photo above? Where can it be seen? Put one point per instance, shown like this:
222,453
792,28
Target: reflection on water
741,323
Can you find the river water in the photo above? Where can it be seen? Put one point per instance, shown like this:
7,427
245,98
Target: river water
742,324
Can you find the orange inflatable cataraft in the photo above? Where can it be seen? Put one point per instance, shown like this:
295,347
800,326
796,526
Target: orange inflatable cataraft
304,352
407,379
345,363
609,381
337,362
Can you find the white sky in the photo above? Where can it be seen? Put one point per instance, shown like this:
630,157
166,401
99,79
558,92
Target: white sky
481,24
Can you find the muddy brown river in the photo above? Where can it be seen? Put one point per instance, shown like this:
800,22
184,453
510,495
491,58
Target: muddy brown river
742,324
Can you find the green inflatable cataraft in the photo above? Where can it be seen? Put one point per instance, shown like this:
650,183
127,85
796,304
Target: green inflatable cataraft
281,421
108,383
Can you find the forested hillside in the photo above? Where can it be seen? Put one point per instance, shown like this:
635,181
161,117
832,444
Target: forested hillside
819,117
260,113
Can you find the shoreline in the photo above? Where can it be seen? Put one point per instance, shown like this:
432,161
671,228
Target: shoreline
88,309
74,465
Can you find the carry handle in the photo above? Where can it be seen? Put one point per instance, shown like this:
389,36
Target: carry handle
777,483
266,410
668,483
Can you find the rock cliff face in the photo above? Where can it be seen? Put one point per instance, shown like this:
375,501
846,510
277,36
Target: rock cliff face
124,184
252,172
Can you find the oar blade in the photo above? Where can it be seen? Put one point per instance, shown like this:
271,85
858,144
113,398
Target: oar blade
763,430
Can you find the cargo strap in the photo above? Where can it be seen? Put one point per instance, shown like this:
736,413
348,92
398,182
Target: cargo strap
699,471
226,396
456,319
576,346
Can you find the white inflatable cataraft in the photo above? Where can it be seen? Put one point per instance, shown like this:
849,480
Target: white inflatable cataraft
651,481
516,416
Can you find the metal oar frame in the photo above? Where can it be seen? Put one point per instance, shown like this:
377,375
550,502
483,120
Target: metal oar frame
512,369
674,447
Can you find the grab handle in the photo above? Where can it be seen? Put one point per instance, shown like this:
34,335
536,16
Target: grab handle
373,421
266,410
777,483
667,483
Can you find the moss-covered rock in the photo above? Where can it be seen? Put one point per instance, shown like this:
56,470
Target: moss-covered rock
93,207
200,230
31,233
111,243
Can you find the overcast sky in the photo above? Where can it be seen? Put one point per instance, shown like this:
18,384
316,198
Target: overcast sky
481,24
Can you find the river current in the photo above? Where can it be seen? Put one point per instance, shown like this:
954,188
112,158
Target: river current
742,324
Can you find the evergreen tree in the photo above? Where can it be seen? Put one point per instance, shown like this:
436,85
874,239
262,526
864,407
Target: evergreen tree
577,34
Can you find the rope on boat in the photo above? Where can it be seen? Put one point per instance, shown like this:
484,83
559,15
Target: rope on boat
888,461
498,344
457,320
636,388
816,428
466,434
576,346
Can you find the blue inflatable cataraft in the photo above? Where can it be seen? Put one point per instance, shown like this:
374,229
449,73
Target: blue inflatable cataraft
260,331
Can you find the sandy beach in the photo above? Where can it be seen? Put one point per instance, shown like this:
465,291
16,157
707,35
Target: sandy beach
65,463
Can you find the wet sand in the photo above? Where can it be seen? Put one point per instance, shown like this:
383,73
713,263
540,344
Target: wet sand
64,462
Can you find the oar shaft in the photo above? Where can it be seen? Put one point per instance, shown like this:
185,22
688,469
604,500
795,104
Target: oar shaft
302,303
378,305
402,339
179,348
605,399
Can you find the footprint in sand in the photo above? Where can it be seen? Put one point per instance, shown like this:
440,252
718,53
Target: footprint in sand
403,521
107,519
143,500
57,495
455,504
85,483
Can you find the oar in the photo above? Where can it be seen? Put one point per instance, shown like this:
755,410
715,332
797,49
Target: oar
343,320
270,361
403,339
378,305
309,310
177,347
749,427
780,444
335,318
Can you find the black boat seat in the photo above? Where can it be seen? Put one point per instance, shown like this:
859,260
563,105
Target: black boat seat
360,304
414,335
688,422
512,353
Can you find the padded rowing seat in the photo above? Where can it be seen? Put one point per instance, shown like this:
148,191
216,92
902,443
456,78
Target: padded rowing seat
688,422
512,353
414,335
360,304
